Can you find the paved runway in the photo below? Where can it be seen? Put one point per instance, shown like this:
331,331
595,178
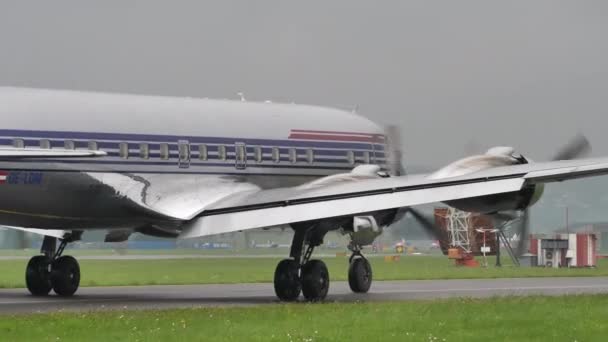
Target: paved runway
173,256
151,297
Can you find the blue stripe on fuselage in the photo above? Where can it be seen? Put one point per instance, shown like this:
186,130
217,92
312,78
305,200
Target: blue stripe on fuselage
325,153
172,139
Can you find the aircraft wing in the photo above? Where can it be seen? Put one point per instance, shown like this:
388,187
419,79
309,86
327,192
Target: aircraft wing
266,208
19,153
60,234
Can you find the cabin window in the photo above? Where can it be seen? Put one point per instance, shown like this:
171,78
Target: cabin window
276,155
184,151
221,152
350,155
144,150
123,149
164,151
45,144
202,152
18,143
92,145
366,158
257,152
69,145
310,156
241,153
293,156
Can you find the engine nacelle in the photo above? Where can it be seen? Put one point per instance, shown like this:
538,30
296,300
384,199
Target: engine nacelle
494,157
519,200
365,230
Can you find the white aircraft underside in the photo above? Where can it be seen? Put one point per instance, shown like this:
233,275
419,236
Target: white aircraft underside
72,161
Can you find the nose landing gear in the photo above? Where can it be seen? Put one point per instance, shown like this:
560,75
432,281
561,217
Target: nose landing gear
359,271
359,275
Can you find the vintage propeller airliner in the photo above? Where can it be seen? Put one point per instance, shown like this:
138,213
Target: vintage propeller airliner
171,167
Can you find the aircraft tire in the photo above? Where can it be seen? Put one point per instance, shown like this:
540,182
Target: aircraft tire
287,284
315,280
65,276
37,276
360,275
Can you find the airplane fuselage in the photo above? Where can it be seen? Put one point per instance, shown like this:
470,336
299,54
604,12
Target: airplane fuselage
216,146
191,168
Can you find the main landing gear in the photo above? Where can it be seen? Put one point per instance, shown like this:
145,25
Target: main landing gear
300,273
52,270
310,277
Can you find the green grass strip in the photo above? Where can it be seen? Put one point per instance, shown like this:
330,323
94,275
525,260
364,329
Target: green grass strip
570,318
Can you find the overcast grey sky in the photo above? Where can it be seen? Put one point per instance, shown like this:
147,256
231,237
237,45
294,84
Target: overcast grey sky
455,75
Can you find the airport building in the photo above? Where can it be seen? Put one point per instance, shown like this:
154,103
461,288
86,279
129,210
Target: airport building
564,250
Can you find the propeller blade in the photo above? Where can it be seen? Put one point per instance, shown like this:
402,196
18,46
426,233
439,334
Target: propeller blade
426,223
524,232
578,147
504,216
395,156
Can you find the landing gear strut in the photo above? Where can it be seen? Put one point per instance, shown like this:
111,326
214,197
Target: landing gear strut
299,273
52,270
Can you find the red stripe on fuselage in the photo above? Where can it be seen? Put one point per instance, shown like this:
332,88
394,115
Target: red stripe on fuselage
330,137
336,132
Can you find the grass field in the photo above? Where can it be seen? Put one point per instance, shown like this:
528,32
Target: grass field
238,270
570,318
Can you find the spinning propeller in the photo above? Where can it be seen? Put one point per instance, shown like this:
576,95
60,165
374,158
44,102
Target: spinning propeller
519,221
577,147
395,155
